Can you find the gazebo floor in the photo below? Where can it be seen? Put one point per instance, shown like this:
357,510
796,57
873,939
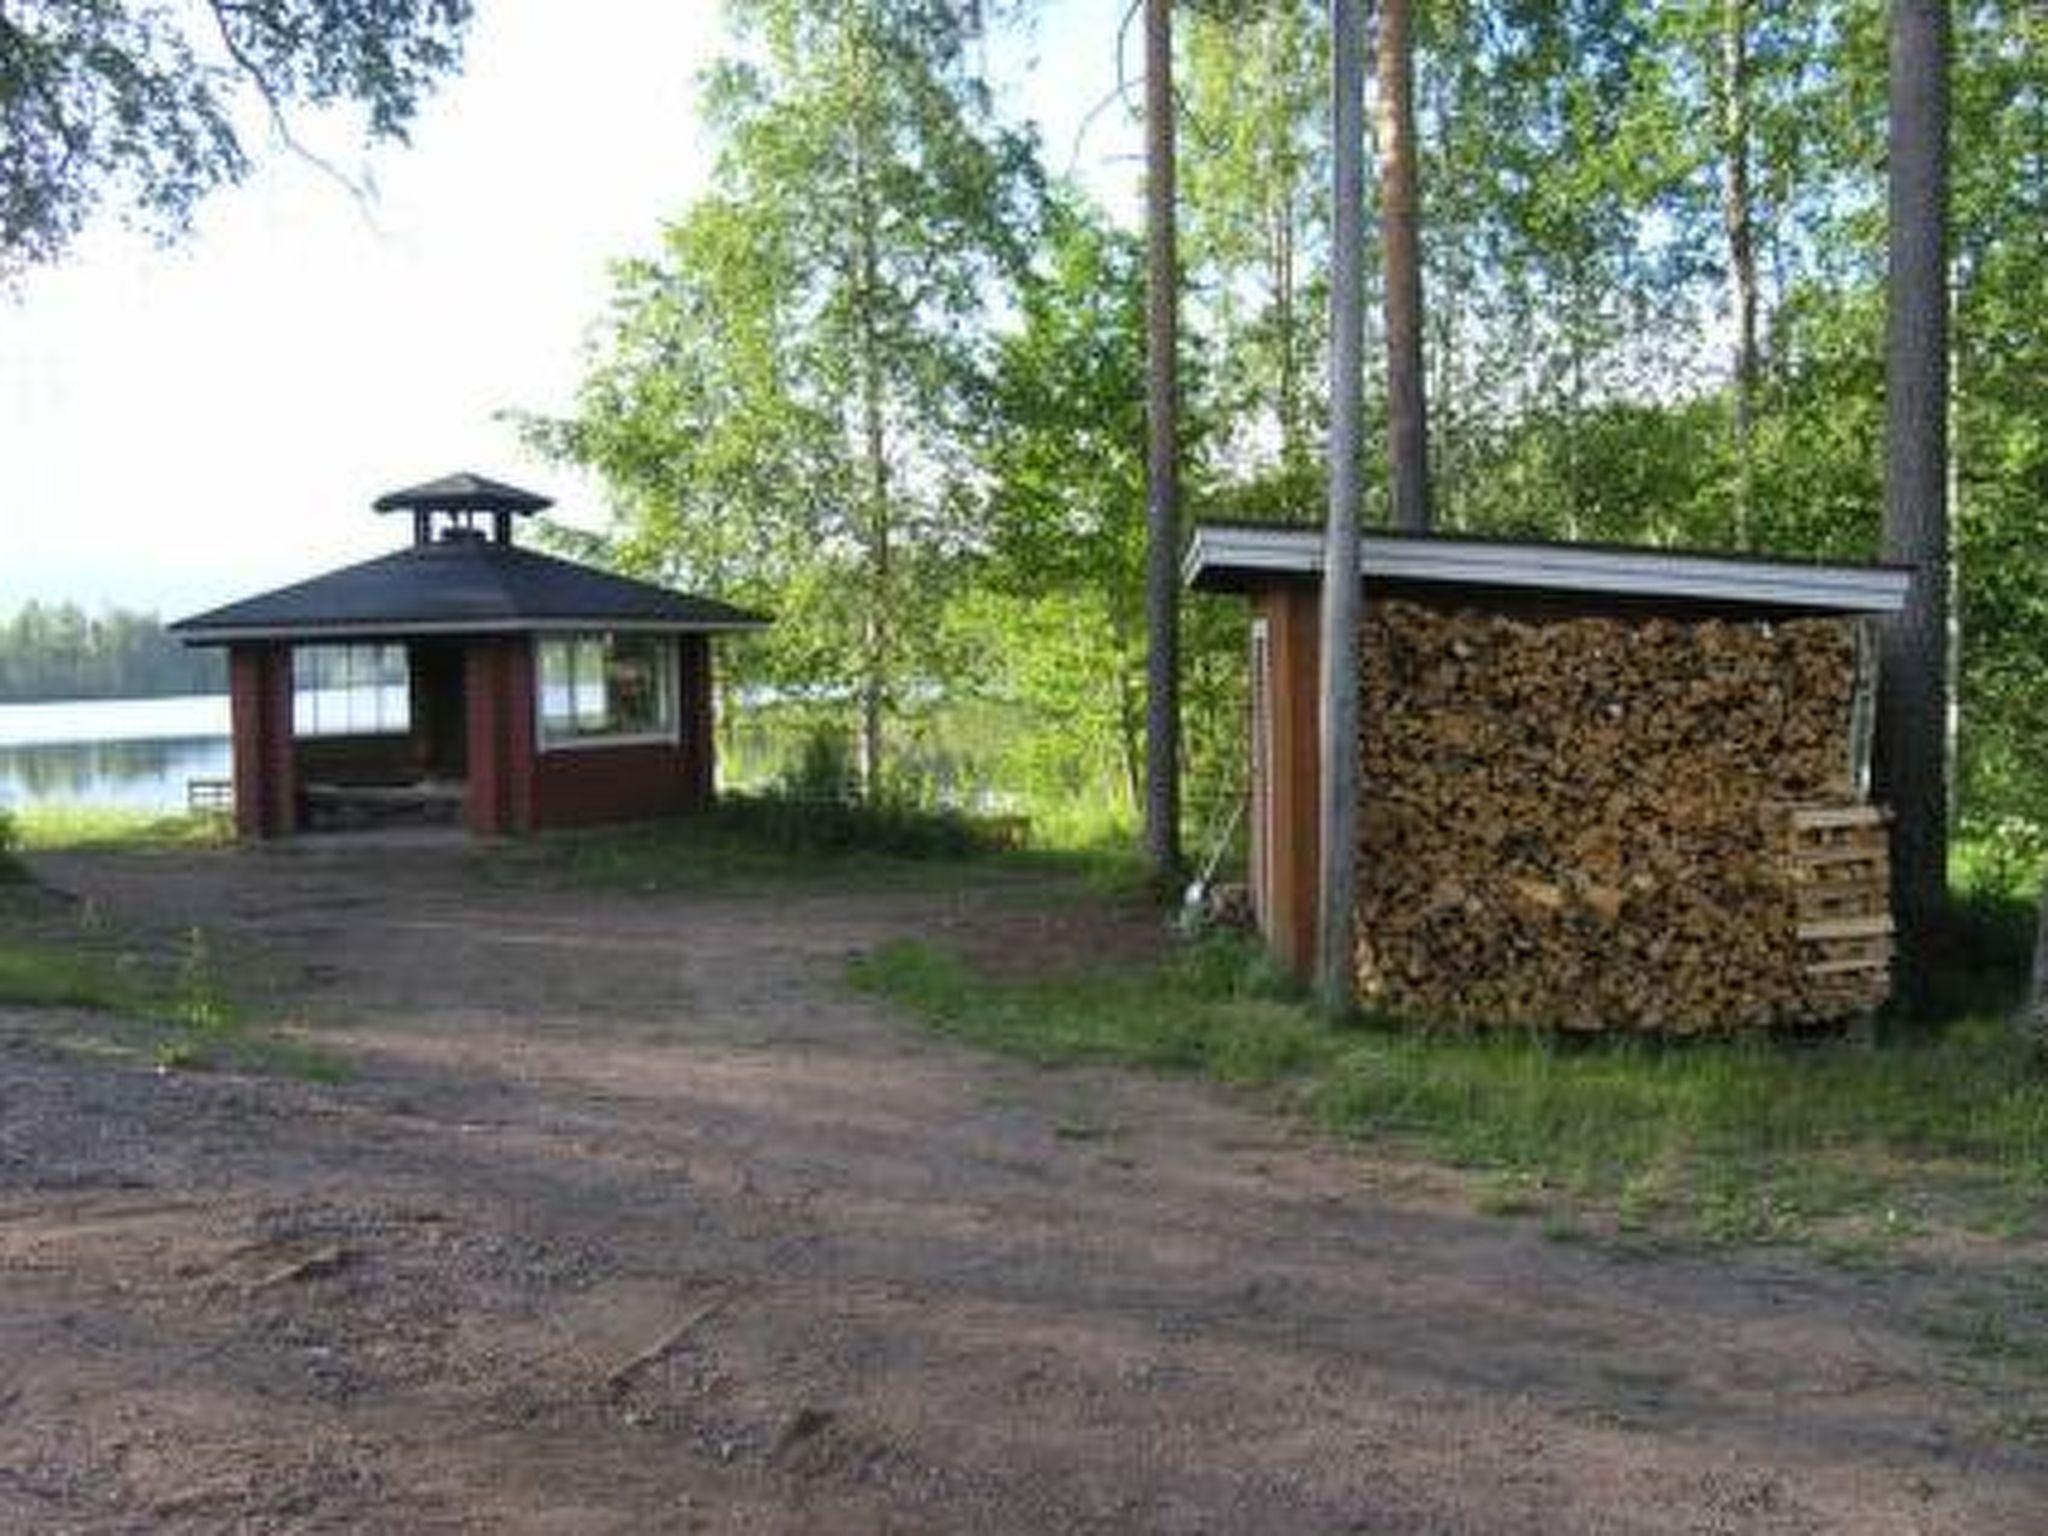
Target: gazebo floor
352,807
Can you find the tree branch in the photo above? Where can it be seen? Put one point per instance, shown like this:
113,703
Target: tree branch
359,191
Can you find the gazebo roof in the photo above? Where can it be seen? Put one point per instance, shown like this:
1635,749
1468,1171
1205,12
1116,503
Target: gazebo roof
460,585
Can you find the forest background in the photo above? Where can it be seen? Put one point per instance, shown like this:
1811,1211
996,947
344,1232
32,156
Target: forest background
886,378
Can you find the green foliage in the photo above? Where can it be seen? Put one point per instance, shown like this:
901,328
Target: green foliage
1733,1141
1056,622
58,651
1577,163
824,771
783,401
1053,621
2000,856
145,106
1255,191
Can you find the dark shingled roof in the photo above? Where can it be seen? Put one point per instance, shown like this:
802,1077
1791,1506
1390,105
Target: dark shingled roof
461,585
464,492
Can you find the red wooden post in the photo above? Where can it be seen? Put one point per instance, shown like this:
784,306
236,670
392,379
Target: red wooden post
699,728
483,803
260,707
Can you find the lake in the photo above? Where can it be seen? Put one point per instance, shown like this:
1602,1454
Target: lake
138,754
133,753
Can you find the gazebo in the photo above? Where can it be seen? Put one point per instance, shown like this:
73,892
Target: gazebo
464,677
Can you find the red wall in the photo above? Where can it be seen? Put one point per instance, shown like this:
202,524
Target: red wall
516,787
580,786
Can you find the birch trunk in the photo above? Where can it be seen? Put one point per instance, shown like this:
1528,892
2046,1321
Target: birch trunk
1738,226
1400,234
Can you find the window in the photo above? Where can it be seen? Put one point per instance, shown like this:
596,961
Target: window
351,690
606,687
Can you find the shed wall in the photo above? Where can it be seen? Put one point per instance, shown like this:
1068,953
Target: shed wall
1287,774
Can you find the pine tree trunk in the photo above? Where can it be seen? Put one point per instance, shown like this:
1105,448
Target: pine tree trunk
1337,811
1401,236
1162,460
1913,690
2037,995
1736,221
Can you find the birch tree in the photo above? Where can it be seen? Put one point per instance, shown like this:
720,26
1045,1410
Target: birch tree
1401,236
785,400
1162,468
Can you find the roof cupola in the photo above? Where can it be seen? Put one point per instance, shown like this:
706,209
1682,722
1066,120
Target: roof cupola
457,500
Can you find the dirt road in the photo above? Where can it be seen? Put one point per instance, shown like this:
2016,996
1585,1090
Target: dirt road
633,1219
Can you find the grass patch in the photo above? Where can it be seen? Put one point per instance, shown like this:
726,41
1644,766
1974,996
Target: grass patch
1725,1142
1996,1339
55,826
174,1010
39,974
774,839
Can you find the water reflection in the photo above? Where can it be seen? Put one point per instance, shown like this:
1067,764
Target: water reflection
139,775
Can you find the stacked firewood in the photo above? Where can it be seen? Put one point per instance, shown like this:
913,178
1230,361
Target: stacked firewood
1587,823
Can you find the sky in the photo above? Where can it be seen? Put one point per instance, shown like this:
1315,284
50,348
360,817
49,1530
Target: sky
183,426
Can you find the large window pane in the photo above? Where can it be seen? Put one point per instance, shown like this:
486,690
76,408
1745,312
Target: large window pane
598,687
351,690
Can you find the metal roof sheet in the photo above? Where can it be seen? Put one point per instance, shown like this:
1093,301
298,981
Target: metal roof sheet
1235,557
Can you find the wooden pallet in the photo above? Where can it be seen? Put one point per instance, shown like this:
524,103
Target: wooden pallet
1837,860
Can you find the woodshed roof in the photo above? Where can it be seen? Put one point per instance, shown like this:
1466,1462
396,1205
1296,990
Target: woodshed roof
1238,557
462,584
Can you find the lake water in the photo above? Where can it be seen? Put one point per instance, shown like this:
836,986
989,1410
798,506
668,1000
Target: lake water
133,753
139,754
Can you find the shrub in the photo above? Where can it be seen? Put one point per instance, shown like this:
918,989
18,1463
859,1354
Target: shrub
823,771
795,823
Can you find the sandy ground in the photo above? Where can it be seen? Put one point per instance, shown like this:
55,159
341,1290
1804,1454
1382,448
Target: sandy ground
632,1218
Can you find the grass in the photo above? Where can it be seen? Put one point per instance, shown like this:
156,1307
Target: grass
52,826
778,840
176,1010
1724,1142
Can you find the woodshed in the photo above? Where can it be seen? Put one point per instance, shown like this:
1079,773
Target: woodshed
1601,787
